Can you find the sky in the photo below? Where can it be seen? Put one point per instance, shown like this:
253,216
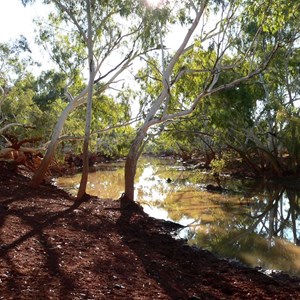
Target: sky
16,20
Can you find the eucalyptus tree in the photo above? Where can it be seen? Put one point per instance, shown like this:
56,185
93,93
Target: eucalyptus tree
226,37
281,86
104,36
279,113
257,119
272,133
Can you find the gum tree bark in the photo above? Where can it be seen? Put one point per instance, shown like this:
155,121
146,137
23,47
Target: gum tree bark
41,171
85,170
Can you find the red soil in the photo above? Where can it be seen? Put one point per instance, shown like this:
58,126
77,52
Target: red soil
52,247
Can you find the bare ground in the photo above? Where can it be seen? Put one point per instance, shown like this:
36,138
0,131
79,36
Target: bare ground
52,247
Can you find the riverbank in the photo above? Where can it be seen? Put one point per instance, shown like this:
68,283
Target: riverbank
52,247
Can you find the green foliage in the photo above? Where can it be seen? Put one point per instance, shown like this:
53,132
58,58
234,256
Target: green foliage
247,115
217,165
18,107
49,87
107,113
14,61
164,144
261,112
115,143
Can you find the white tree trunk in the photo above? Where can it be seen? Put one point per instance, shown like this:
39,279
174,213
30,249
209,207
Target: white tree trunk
162,99
41,171
85,170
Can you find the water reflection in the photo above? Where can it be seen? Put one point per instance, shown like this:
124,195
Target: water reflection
264,234
255,223
107,182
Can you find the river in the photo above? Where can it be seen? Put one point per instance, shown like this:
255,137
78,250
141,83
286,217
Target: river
253,222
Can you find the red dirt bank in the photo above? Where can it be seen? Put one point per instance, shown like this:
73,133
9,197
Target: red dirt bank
52,247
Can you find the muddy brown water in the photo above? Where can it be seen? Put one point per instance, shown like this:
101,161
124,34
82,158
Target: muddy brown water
252,222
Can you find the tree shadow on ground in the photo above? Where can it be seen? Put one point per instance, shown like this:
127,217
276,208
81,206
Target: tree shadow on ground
186,272
52,247
35,224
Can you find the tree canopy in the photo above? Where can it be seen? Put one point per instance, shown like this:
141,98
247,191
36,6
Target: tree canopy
230,82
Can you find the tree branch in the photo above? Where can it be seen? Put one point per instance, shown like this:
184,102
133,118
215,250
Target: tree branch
3,129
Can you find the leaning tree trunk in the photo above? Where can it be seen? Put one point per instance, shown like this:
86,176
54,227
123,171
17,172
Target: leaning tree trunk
136,147
130,168
41,171
39,175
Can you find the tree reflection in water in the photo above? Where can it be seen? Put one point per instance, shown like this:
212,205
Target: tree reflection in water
267,235
255,223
